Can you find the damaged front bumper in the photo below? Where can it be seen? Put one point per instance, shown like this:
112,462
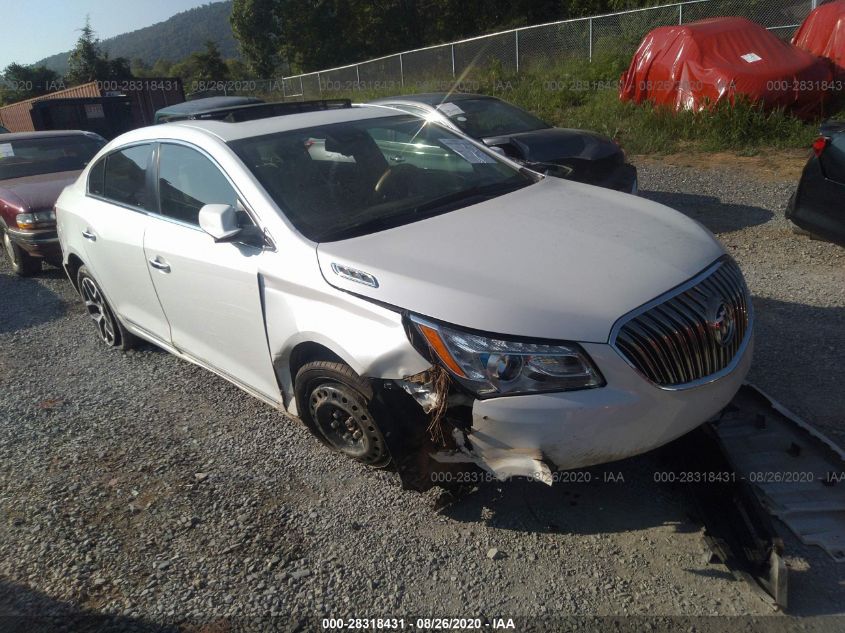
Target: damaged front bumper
534,435
38,243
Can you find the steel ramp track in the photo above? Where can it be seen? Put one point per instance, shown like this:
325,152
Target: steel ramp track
796,471
737,527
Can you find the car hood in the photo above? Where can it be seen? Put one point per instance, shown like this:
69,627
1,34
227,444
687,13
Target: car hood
553,144
36,192
557,259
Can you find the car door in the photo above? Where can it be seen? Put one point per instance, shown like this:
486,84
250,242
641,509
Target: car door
112,222
210,291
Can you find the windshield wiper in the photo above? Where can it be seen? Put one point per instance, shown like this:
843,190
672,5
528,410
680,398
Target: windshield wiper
369,226
473,192
423,211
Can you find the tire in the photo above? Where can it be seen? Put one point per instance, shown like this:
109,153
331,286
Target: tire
23,264
109,328
333,401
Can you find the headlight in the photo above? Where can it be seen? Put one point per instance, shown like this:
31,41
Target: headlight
35,219
493,366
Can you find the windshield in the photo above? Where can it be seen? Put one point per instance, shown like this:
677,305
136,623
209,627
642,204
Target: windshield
482,118
46,155
348,179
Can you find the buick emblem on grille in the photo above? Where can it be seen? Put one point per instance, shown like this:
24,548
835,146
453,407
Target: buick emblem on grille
722,321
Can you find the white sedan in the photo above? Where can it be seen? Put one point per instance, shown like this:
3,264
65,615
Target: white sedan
413,297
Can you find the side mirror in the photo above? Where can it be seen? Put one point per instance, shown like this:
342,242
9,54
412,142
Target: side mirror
551,169
220,221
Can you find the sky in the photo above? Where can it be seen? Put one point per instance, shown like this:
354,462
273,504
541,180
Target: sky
35,29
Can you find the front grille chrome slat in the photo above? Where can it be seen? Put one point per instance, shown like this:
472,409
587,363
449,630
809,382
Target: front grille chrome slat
692,335
673,361
680,338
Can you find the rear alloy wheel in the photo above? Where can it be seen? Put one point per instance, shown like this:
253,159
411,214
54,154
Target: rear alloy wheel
334,402
110,330
24,264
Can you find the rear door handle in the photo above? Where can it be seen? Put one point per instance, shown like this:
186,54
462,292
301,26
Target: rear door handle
88,235
159,265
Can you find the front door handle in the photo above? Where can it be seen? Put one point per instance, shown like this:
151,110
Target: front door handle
88,235
159,265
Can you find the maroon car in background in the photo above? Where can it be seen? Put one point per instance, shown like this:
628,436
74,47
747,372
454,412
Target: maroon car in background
34,168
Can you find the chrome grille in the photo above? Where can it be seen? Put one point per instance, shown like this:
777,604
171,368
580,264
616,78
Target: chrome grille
683,338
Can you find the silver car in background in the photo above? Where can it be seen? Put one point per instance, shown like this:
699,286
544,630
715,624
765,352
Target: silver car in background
412,296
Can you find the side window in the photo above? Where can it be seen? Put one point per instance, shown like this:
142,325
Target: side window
187,181
125,176
96,177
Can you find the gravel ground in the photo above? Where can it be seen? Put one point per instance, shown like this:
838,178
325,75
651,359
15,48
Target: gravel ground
139,486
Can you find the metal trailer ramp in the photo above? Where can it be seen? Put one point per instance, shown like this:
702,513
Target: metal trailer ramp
737,527
797,472
755,462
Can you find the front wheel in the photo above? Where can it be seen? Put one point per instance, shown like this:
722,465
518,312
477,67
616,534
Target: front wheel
334,403
109,328
23,264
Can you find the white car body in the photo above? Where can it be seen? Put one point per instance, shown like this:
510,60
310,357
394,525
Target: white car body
555,260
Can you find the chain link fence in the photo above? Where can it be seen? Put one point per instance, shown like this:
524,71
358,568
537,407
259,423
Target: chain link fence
438,68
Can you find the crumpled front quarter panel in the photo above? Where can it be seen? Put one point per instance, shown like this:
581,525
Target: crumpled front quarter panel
300,307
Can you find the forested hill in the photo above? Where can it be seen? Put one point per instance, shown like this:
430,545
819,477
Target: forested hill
172,40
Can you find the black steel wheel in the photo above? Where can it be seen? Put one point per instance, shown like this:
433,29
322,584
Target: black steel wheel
333,401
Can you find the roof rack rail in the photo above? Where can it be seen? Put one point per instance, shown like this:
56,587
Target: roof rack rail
252,111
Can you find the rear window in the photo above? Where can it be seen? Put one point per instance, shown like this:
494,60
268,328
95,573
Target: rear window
125,176
482,118
46,155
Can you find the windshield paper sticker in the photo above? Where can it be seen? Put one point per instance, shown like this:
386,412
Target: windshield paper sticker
467,150
449,109
6,150
752,57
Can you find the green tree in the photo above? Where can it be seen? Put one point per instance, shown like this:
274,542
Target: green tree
139,67
322,33
256,26
162,68
87,62
85,57
209,64
24,82
117,68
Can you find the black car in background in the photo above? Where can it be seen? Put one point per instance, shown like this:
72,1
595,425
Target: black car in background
574,154
818,205
194,107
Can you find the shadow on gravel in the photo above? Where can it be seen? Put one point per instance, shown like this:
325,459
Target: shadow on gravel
798,360
618,497
717,216
24,610
26,303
